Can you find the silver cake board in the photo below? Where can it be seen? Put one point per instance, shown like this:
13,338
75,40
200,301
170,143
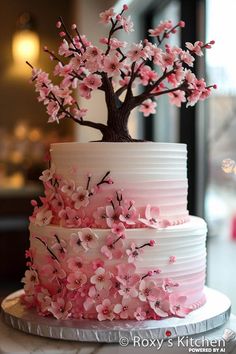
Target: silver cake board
213,314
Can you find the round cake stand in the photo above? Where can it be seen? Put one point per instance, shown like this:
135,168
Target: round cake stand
214,313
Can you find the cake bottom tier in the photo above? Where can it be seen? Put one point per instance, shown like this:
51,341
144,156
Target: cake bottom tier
116,274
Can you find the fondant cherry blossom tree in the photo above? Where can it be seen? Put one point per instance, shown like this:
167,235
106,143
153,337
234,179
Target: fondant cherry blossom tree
153,70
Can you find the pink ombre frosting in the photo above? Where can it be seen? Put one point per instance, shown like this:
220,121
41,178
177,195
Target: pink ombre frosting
112,238
148,173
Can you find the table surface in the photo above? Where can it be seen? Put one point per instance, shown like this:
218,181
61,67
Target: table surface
13,341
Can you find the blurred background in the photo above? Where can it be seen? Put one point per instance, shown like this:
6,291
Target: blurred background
208,129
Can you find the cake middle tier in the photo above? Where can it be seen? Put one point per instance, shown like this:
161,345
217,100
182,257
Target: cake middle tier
145,173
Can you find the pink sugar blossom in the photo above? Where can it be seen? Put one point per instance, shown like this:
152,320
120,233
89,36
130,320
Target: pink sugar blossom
76,280
57,203
60,308
105,310
95,296
70,217
93,81
127,274
196,48
152,218
64,49
187,58
68,187
84,91
79,113
127,24
162,27
88,238
52,110
44,299
193,98
172,259
168,59
139,314
101,279
96,263
168,285
30,280
80,197
112,248
133,252
43,217
75,241
178,305
47,175
59,246
161,304
53,271
118,229
75,263
115,43
107,15
123,310
112,215
112,65
147,75
148,107
128,291
129,215
136,52
177,97
148,290
175,78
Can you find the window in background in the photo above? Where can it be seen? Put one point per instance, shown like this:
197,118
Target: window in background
220,200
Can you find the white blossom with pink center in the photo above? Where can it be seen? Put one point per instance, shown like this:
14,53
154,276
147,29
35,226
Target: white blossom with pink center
107,15
101,279
105,310
123,310
76,280
88,239
112,214
60,308
43,217
68,187
80,197
148,290
75,263
47,175
30,280
129,215
133,253
161,304
178,305
152,218
195,48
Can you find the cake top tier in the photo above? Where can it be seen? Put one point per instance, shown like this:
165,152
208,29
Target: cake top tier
108,184
152,161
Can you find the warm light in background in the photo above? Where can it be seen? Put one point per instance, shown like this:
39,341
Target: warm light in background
25,46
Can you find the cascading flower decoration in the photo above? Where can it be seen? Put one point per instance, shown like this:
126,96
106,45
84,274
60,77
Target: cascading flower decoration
149,67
